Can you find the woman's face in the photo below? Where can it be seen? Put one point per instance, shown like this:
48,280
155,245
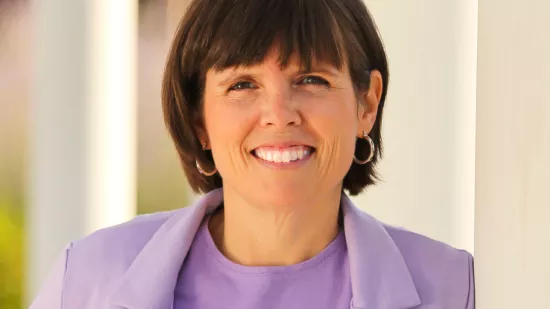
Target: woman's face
281,136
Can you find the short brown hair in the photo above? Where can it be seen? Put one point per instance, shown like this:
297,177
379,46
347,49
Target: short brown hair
217,34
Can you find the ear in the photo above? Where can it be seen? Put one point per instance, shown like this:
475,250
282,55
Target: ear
369,103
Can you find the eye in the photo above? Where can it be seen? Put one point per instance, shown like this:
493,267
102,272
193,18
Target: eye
242,86
313,80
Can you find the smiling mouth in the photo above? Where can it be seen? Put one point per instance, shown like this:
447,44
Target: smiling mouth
283,155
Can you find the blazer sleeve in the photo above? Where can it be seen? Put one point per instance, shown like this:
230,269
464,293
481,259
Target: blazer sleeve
471,304
51,294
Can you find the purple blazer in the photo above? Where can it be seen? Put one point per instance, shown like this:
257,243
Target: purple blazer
135,265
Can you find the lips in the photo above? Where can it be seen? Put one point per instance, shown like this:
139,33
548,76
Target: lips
283,154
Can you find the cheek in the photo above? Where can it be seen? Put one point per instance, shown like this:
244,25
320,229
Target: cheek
335,122
334,116
226,121
227,127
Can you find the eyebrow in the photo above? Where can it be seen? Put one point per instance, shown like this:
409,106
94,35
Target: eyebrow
236,75
329,70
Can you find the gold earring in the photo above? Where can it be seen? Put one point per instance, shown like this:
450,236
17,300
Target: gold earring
371,152
200,169
205,173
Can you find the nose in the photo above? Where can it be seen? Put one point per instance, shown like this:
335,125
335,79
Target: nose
279,110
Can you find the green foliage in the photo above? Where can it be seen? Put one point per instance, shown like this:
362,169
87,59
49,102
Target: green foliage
11,256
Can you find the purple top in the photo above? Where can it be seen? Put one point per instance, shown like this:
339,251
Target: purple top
320,282
137,265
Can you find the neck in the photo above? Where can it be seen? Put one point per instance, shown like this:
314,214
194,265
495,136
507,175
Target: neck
255,235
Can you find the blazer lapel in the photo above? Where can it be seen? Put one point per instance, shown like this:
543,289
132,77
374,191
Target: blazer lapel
380,279
150,280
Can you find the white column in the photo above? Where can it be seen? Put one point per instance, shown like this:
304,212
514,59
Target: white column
429,118
82,124
512,237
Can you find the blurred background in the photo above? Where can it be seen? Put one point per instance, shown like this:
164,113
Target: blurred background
160,182
83,144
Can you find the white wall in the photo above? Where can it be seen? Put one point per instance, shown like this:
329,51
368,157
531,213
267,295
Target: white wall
429,121
513,155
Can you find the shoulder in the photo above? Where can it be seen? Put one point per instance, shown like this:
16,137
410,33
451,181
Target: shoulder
97,262
115,264
117,243
88,268
440,272
140,228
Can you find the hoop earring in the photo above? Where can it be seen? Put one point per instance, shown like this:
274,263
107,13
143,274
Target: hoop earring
205,173
199,168
371,152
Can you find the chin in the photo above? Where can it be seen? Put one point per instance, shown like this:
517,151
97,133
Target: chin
287,196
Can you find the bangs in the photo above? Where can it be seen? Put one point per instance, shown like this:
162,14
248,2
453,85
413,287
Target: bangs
247,31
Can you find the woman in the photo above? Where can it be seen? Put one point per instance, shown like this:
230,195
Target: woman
275,108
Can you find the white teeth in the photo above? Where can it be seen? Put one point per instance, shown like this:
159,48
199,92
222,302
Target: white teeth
277,156
286,156
283,155
293,155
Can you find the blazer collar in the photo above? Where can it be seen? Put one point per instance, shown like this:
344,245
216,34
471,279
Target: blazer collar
379,276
